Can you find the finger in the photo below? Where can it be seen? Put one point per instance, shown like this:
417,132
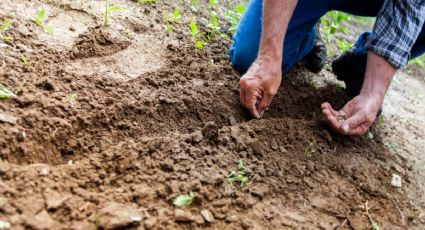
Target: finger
242,97
328,107
251,100
265,103
332,119
356,125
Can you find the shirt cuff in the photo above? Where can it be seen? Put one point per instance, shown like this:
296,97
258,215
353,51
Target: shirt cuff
396,55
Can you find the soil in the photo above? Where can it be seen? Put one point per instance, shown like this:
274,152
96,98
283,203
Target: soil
115,122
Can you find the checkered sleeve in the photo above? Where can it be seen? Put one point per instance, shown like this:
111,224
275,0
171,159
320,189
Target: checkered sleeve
396,29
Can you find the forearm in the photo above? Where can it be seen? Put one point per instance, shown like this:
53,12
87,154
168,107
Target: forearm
378,77
276,17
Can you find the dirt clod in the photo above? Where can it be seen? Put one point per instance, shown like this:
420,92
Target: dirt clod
116,215
183,216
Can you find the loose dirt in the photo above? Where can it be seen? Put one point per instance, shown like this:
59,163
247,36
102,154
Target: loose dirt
114,123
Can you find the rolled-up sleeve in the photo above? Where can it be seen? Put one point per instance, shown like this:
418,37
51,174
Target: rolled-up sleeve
396,29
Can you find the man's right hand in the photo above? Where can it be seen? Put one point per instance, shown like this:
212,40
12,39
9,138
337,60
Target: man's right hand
259,85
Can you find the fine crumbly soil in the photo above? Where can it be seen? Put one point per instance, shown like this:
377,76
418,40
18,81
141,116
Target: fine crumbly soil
123,119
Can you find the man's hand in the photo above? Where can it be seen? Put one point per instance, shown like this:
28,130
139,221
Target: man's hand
259,85
357,115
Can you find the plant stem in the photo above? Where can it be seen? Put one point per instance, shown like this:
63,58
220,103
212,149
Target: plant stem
106,19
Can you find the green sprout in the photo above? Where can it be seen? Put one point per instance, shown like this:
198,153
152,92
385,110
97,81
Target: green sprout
310,150
239,176
173,19
184,200
4,26
234,16
196,34
145,1
108,10
369,135
40,19
5,93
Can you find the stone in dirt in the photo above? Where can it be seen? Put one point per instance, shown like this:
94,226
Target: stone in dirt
207,215
396,181
53,199
150,223
259,190
6,118
183,216
41,221
199,220
116,215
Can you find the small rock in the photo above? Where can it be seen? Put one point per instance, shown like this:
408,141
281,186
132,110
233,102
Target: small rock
283,149
150,222
210,131
183,216
196,137
8,119
116,215
207,215
231,218
259,190
72,28
41,221
54,200
232,121
44,171
256,146
199,220
396,181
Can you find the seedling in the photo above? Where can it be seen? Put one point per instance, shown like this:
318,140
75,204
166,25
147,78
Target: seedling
340,85
233,16
108,10
40,19
369,135
214,26
5,93
173,19
310,150
239,176
184,200
4,26
196,35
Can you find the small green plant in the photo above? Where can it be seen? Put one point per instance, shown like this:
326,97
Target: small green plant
340,85
197,39
5,93
310,150
238,176
145,1
108,10
369,135
233,17
4,26
418,62
40,19
173,19
184,200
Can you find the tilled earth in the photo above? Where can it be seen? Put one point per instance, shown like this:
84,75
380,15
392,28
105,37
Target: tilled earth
115,122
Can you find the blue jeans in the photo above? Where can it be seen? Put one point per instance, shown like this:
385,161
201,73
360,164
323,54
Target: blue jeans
301,31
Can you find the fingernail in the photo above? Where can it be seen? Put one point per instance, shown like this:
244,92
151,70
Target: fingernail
346,128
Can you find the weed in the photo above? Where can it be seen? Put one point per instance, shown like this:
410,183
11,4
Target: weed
5,92
184,200
108,10
173,19
332,23
233,17
196,35
310,150
40,19
4,26
340,85
418,62
238,176
369,135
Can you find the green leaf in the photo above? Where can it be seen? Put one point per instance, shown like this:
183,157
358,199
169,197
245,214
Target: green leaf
375,226
369,134
48,29
114,8
240,9
41,16
199,44
5,24
5,93
184,200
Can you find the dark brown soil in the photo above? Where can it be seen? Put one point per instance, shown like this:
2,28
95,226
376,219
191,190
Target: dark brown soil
84,141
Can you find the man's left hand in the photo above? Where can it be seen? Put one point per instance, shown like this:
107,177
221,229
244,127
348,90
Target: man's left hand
357,115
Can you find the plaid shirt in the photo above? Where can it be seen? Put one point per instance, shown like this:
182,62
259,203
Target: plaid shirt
396,29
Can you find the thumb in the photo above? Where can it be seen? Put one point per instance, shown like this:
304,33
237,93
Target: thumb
265,102
353,123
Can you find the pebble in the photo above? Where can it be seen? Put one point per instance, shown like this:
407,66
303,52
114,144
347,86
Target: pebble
199,220
183,216
41,221
150,223
207,215
8,119
232,121
396,181
231,218
116,215
44,171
